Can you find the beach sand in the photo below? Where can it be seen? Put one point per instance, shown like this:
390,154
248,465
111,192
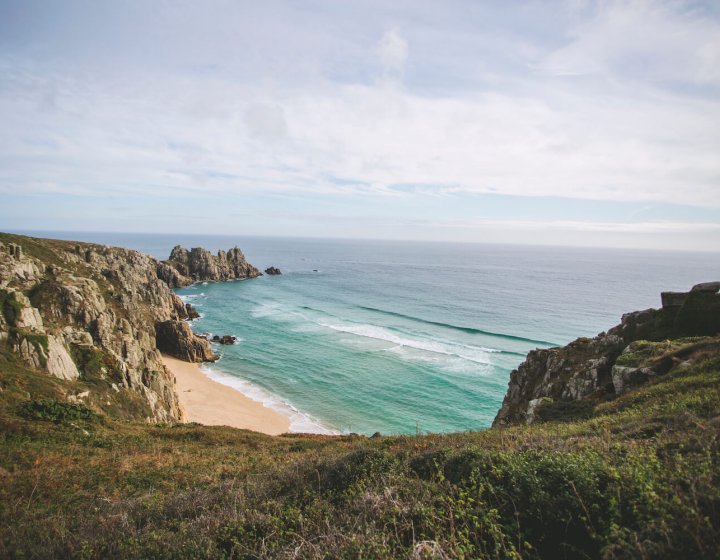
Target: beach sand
208,402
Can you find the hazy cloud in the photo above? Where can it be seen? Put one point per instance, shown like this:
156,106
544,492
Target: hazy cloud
393,52
266,121
409,102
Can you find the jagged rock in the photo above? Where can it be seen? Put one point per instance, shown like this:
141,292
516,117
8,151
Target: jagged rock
177,339
14,250
581,368
199,265
192,313
171,276
17,312
224,339
59,363
273,271
90,298
15,266
31,352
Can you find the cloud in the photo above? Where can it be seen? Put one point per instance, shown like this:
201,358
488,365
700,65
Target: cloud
392,51
608,101
653,41
266,121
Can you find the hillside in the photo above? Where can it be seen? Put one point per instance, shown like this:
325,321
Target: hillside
626,470
101,316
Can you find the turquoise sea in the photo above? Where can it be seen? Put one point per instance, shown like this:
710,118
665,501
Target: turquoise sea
405,337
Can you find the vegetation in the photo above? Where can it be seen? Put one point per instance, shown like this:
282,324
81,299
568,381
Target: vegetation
10,308
55,411
631,477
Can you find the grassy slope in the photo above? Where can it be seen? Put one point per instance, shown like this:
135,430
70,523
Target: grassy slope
637,479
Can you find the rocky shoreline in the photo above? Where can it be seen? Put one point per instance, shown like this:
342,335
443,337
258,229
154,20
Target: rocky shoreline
592,368
105,314
93,311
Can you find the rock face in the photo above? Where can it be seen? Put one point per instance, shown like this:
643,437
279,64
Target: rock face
588,365
273,271
192,313
79,309
199,265
177,339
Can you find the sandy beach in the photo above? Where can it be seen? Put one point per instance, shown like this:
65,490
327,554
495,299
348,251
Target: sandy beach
208,402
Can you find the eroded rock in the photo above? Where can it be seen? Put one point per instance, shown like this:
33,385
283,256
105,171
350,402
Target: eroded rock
185,267
586,366
177,339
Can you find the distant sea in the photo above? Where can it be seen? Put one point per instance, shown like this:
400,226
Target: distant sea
406,337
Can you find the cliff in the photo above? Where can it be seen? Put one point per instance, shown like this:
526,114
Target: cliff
593,369
97,315
199,265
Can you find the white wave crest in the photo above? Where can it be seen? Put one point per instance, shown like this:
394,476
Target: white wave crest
299,421
475,354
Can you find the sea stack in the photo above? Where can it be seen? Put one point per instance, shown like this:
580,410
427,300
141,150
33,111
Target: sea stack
184,267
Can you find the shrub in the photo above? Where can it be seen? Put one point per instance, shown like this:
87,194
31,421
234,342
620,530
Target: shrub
55,411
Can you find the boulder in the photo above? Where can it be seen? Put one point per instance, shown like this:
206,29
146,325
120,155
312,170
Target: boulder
273,271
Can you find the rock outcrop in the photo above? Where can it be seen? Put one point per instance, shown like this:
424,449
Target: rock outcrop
588,366
224,339
177,339
79,310
199,265
273,271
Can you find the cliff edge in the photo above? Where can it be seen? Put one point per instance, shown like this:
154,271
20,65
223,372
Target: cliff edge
567,380
98,314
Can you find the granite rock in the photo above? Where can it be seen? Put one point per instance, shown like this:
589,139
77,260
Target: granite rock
587,365
185,267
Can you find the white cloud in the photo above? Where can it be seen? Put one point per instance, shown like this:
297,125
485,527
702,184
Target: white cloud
266,121
576,108
392,50
641,40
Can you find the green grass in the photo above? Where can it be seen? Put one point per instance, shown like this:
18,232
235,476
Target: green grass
637,478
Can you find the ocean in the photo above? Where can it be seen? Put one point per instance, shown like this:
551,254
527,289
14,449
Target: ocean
406,337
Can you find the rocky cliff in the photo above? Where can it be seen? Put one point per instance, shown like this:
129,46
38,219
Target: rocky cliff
199,265
99,314
606,365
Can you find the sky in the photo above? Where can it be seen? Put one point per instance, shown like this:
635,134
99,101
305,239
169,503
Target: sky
592,123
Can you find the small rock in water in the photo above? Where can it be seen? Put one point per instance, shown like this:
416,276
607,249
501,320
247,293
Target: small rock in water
224,339
273,271
192,313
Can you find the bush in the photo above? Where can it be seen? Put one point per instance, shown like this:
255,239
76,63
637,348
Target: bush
56,411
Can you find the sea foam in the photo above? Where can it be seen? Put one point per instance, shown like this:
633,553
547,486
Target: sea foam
299,421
